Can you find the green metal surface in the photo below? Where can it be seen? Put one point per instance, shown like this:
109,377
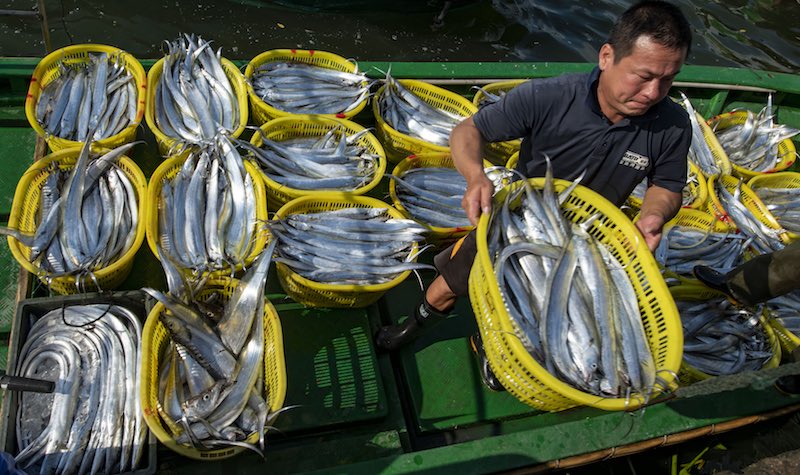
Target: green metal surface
331,367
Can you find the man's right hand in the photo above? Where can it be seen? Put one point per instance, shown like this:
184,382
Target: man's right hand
478,198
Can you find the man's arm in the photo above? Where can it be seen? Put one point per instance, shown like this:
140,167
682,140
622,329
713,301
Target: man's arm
466,147
659,206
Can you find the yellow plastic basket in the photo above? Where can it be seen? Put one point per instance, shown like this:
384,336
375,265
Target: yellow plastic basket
519,372
25,217
786,149
154,343
263,112
165,142
750,200
787,339
719,154
316,294
698,187
495,88
167,171
696,219
399,145
438,235
694,293
499,152
297,126
511,164
48,70
782,179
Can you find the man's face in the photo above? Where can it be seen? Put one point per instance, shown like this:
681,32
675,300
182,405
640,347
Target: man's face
638,81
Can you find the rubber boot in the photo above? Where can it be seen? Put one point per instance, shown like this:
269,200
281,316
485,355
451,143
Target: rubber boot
713,279
394,337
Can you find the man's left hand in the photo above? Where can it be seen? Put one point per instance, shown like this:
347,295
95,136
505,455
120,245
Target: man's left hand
650,226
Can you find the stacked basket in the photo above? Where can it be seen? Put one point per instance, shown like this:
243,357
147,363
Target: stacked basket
263,112
304,126
520,373
399,145
698,293
748,198
498,152
316,294
25,217
166,143
49,69
155,340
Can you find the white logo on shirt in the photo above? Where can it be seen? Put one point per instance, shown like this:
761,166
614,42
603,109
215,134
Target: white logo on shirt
634,160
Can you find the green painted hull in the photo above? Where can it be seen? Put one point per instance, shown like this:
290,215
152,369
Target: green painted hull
425,409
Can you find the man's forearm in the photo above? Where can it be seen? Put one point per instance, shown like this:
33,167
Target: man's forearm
660,202
466,148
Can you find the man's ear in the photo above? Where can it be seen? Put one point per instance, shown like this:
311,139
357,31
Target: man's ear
605,57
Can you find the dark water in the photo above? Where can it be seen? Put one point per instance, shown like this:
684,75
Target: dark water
759,34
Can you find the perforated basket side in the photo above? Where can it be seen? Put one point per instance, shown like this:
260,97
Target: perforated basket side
782,179
786,153
167,171
167,144
48,70
299,126
316,294
263,112
155,340
699,293
748,197
24,216
438,234
399,145
531,383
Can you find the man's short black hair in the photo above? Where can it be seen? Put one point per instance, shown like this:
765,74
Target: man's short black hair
662,22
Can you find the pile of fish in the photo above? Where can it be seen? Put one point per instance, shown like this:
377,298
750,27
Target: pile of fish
87,217
700,153
721,338
570,301
98,95
764,239
359,246
683,247
207,211
753,145
211,388
688,196
783,204
409,114
301,88
194,99
490,97
334,161
432,195
786,310
92,422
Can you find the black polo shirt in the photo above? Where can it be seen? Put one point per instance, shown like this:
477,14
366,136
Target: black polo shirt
560,117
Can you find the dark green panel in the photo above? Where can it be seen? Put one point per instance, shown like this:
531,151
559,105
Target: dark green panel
332,371
16,155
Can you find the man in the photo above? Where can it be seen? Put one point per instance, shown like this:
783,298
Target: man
616,124
758,280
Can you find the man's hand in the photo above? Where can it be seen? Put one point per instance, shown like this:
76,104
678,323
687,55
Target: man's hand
478,198
658,207
650,226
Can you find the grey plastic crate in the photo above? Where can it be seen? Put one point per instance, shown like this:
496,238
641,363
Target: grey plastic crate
28,311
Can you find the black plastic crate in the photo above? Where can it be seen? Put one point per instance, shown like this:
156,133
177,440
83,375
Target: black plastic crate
28,311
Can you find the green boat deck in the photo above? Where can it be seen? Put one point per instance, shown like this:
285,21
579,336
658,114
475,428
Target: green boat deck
423,409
